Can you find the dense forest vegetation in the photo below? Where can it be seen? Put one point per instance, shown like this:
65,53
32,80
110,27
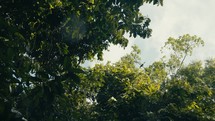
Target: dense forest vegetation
44,43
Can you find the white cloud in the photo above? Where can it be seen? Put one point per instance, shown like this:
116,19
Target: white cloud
114,53
175,18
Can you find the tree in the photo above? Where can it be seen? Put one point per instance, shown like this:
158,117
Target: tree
186,95
124,91
127,92
45,42
179,49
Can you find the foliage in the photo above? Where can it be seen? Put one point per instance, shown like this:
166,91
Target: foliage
128,92
121,86
179,49
41,77
42,44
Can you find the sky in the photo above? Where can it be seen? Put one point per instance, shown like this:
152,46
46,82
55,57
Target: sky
174,19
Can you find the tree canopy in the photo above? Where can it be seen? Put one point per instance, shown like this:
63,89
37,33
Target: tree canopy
42,46
131,93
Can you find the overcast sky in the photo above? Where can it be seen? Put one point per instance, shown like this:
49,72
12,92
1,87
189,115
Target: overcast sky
175,18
